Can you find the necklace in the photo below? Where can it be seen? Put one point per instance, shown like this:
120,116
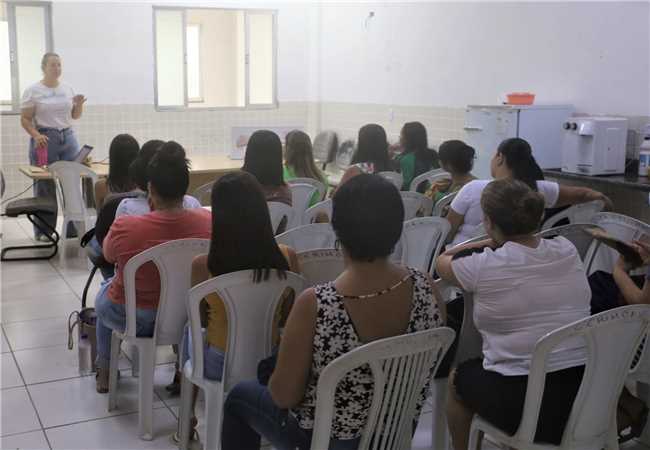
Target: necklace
378,293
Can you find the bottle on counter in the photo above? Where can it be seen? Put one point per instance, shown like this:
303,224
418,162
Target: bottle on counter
644,153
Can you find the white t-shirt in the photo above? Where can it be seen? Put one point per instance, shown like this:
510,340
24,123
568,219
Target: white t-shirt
138,206
467,203
521,294
52,106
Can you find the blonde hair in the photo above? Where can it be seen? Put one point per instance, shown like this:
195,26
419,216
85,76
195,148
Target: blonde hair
46,57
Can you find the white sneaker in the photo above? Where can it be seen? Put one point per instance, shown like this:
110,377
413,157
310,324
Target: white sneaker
43,238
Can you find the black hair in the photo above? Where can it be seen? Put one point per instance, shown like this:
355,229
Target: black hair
512,206
367,217
263,158
138,168
457,156
372,147
168,171
122,152
519,158
242,236
414,140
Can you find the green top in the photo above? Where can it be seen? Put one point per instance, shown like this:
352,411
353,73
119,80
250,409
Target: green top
289,175
407,168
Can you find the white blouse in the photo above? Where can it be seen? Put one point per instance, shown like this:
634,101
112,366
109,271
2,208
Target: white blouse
52,106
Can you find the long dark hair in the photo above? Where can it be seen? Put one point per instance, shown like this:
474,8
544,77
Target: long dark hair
138,168
456,156
263,158
122,152
242,236
519,158
414,139
372,147
299,156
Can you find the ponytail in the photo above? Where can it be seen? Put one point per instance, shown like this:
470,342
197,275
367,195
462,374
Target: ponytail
520,160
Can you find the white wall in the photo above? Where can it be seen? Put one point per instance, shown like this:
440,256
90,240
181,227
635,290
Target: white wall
592,54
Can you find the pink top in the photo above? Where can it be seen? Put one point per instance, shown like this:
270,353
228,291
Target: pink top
130,235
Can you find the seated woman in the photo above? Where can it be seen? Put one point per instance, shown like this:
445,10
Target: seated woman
299,161
123,150
139,204
169,176
242,239
524,287
372,299
416,157
263,160
513,160
457,158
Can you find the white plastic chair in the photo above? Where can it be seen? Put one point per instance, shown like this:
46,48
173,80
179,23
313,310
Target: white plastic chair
421,242
400,367
301,194
611,339
203,192
640,374
308,237
625,228
431,176
320,266
279,211
323,207
393,177
68,179
581,213
173,260
250,311
441,204
576,233
414,202
320,187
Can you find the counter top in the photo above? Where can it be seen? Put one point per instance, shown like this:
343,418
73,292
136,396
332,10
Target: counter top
626,182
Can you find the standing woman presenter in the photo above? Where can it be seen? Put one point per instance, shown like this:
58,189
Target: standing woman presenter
47,110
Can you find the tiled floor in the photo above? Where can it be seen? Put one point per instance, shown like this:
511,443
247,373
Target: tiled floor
46,403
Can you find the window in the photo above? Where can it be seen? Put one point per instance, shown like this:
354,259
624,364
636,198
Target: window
214,58
25,35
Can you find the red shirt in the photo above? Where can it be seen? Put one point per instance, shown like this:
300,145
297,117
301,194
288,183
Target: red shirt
130,235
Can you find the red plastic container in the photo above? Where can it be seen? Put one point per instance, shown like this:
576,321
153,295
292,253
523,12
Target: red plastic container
521,98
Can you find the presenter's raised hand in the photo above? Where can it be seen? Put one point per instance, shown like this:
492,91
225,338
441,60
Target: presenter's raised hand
79,100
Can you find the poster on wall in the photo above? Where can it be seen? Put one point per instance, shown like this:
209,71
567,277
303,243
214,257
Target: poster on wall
240,136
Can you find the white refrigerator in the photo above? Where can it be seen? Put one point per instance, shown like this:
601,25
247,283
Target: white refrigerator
541,125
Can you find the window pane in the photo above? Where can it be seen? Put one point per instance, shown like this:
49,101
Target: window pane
30,43
222,56
5,62
193,62
260,73
169,58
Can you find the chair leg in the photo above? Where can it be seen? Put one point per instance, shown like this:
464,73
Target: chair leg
147,358
112,372
185,413
439,434
47,230
475,438
213,417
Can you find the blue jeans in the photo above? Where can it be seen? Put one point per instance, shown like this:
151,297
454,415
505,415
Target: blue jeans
112,316
96,256
249,413
62,145
212,357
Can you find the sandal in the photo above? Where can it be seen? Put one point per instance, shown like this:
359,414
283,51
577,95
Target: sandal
194,435
174,388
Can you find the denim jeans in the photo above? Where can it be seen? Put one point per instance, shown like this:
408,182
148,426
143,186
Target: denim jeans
112,316
213,358
249,413
96,256
62,145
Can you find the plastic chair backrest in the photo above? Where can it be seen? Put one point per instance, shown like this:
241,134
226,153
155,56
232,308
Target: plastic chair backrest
301,194
323,207
68,175
308,237
321,265
278,211
441,204
414,202
250,310
430,176
400,367
421,241
393,177
619,226
173,260
611,339
581,213
575,233
320,187
202,193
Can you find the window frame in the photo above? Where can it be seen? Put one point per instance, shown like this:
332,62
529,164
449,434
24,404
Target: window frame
247,105
13,47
